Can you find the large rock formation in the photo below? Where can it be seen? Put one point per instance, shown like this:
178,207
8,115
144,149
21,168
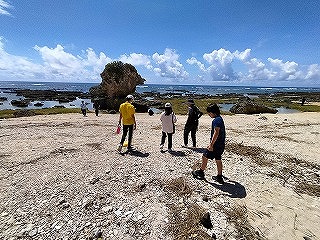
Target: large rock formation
247,106
118,80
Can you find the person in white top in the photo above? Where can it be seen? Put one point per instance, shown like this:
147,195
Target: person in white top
168,119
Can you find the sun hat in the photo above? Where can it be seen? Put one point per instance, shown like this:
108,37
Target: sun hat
167,105
130,97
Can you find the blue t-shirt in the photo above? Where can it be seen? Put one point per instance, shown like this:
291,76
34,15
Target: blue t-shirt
221,140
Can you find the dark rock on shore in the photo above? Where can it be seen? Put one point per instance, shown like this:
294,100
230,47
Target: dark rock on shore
38,104
20,103
247,106
51,95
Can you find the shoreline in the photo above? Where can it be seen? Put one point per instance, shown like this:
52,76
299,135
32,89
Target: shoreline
71,99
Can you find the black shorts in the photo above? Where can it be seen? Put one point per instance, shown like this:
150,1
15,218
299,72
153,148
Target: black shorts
216,154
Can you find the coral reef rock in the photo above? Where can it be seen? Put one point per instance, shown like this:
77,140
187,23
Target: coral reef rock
247,106
118,80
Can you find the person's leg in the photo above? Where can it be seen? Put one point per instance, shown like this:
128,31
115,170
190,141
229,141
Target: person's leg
124,133
193,136
218,178
219,167
169,140
163,138
199,174
186,132
204,163
130,135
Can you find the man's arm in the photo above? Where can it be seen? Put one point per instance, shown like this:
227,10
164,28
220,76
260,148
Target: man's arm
120,117
214,138
135,124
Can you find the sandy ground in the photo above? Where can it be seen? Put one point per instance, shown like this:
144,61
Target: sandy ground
62,178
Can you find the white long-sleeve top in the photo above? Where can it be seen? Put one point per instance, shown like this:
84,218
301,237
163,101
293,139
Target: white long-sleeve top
167,122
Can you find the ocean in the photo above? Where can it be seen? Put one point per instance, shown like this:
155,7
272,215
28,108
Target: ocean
6,90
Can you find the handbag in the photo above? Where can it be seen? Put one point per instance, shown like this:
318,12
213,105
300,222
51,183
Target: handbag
118,129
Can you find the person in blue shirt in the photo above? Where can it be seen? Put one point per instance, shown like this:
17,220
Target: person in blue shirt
216,146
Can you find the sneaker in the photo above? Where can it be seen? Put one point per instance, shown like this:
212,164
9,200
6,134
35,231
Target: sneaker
119,148
161,146
198,174
218,178
184,146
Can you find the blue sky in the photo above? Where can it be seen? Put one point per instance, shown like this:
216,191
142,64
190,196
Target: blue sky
215,42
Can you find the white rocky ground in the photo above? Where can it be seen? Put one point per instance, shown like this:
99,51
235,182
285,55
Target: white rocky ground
61,178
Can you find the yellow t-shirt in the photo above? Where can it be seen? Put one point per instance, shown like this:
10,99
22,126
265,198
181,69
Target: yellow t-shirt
127,111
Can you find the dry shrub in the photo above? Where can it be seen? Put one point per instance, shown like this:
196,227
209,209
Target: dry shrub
256,153
184,222
307,188
179,186
300,174
238,216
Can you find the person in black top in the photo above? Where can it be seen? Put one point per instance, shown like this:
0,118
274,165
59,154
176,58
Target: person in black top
96,107
192,123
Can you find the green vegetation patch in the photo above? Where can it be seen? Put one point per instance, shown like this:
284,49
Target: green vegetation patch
44,111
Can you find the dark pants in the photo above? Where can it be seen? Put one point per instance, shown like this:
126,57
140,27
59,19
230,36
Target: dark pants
124,134
84,112
163,139
187,130
97,112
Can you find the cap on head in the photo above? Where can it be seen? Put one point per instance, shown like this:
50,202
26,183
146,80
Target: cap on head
129,97
190,101
167,105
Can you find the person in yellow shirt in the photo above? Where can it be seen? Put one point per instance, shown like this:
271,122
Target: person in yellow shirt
127,115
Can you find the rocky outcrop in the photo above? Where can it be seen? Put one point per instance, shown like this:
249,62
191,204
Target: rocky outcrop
20,103
51,95
118,80
248,106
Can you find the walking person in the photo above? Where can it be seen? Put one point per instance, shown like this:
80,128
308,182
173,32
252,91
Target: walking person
127,115
96,107
168,119
83,107
216,146
192,123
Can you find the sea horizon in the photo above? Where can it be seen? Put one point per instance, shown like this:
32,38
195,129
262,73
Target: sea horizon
81,86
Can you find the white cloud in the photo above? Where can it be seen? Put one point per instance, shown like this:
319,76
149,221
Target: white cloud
13,67
136,59
57,65
217,67
194,61
168,65
313,72
220,67
4,7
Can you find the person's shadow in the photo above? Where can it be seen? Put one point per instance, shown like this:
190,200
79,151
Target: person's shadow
177,153
136,153
198,150
230,188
